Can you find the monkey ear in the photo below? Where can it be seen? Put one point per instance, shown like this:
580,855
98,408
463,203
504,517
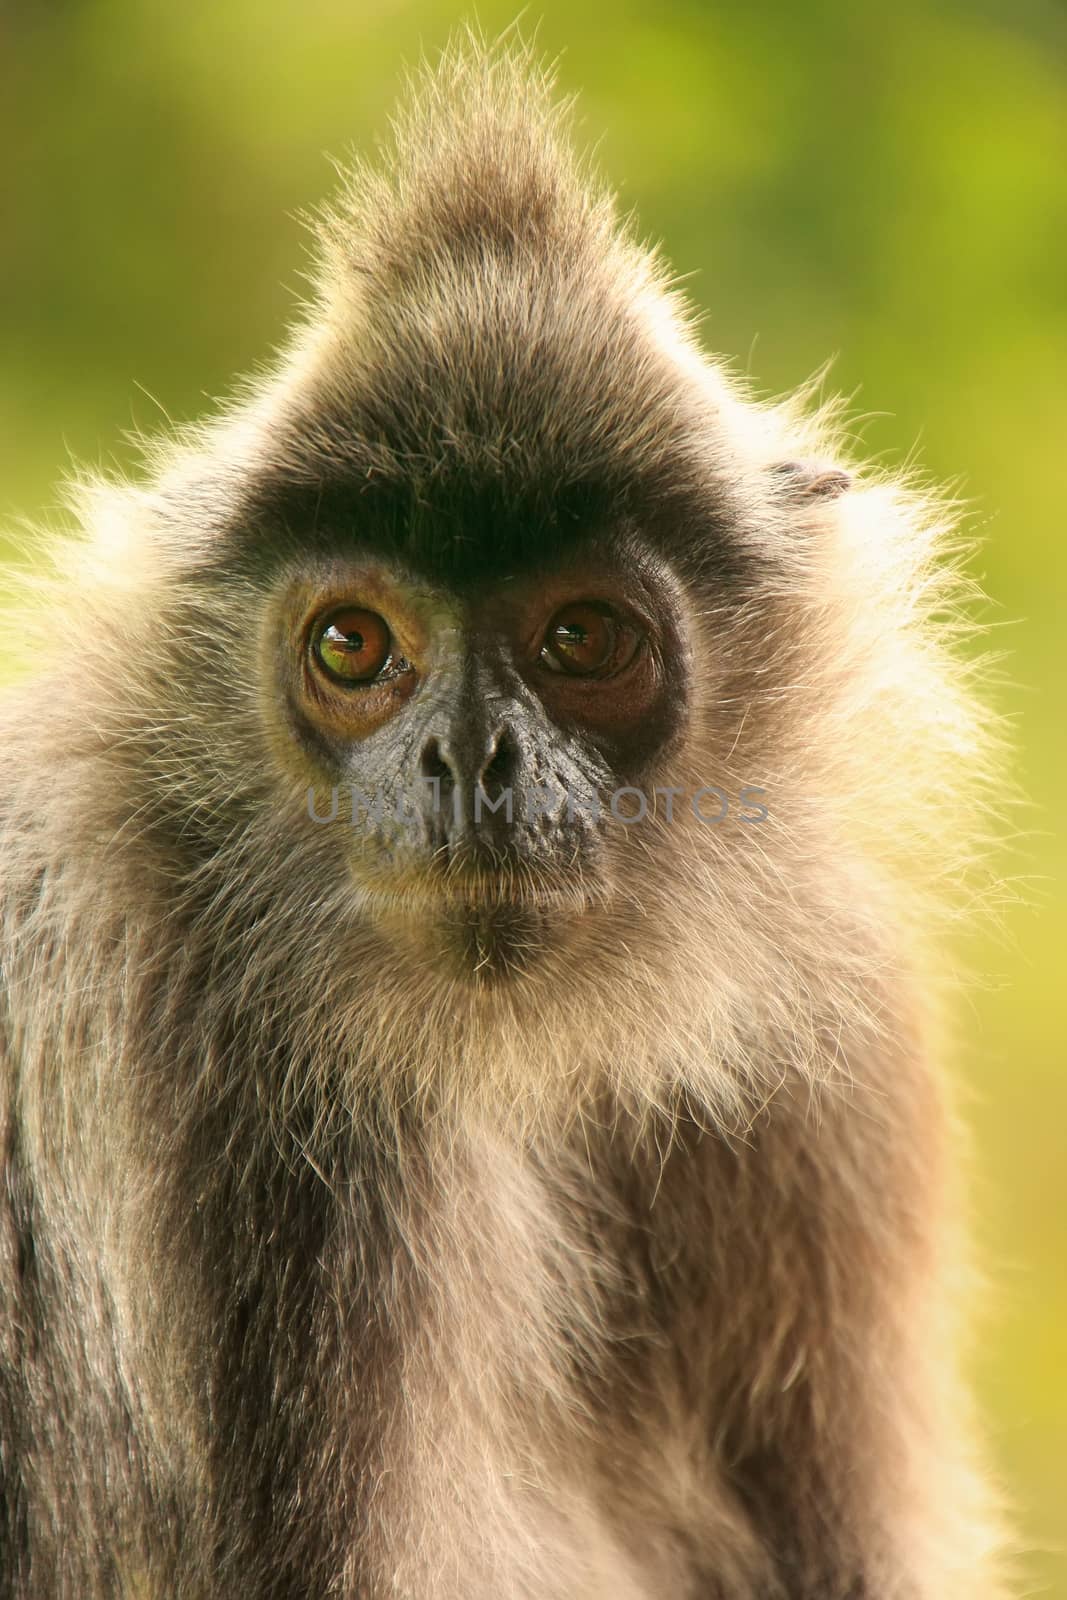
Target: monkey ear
811,480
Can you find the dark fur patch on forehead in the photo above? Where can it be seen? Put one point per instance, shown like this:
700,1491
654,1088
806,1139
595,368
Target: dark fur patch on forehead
463,527
455,531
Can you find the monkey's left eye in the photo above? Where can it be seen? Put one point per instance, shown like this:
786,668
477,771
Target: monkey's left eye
352,646
589,640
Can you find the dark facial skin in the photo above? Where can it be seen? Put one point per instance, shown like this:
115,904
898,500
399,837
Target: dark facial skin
473,710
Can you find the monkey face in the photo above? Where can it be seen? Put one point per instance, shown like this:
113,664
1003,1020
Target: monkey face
465,738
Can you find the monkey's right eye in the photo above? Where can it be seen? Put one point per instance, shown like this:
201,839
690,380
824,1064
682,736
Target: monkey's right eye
352,645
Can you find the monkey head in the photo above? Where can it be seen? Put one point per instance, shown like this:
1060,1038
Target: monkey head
439,633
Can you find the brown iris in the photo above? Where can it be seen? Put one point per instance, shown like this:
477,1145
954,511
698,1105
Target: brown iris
588,640
352,645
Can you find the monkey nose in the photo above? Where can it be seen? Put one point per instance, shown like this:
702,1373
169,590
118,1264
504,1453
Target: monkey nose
491,765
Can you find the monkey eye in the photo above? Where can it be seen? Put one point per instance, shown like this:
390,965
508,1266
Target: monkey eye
589,640
352,645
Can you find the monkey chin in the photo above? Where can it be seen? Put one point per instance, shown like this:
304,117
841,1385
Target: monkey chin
477,943
497,943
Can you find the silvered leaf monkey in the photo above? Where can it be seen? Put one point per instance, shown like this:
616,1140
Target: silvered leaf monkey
444,1156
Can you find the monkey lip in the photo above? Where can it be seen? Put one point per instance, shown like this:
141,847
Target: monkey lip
478,892
469,932
484,928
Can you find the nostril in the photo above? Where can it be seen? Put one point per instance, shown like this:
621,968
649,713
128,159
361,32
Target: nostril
432,763
503,759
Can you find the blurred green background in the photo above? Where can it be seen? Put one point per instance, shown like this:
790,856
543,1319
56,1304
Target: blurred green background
887,184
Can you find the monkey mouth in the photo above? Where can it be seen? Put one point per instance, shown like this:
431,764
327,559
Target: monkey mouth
482,931
475,890
479,917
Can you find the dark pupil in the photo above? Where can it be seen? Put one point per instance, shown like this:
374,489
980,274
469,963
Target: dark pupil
350,652
353,642
585,645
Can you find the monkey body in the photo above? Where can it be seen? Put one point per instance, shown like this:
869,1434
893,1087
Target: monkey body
493,1366
483,1201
